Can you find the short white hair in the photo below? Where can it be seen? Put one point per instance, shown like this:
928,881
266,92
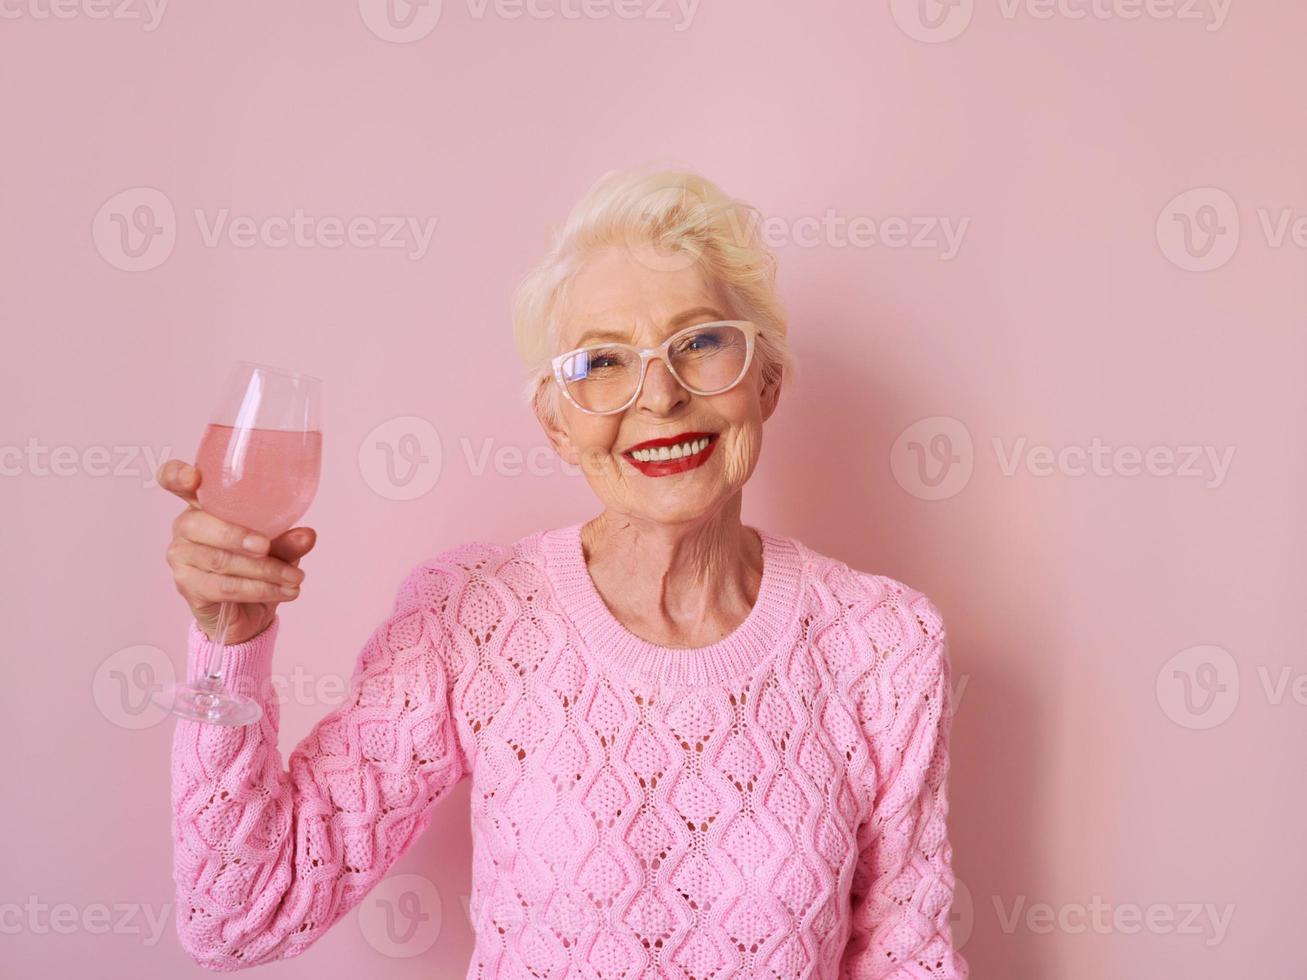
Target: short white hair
679,212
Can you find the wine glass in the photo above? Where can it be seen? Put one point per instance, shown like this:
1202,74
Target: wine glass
259,460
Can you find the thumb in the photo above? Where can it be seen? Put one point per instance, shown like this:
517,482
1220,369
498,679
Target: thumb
294,544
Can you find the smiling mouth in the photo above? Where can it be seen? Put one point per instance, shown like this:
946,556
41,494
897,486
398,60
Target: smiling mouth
668,457
683,446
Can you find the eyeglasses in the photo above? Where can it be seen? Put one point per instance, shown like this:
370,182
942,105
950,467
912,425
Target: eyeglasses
706,358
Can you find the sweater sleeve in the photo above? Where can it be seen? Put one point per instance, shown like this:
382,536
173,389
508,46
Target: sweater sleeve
266,858
903,882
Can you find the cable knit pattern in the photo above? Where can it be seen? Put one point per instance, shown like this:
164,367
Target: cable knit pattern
772,805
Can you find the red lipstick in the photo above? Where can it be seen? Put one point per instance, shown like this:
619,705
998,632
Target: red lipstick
666,467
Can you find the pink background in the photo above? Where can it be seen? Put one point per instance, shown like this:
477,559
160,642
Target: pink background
1093,792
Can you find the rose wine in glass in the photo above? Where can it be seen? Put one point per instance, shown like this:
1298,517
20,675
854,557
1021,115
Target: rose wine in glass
259,460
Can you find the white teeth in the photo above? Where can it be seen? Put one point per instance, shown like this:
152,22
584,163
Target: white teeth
670,452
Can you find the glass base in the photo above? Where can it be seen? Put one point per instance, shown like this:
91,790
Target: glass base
206,700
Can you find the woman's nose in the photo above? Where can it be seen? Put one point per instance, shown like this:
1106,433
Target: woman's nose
661,391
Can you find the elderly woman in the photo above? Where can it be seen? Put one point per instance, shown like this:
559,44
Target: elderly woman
698,749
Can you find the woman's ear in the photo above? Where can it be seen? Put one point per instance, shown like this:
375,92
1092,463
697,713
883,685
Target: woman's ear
771,391
558,436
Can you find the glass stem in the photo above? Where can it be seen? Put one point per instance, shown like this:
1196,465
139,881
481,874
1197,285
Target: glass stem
214,671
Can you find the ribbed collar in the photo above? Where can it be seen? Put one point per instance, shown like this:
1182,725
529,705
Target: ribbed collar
766,627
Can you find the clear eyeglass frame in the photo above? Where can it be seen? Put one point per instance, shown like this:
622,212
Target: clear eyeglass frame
647,354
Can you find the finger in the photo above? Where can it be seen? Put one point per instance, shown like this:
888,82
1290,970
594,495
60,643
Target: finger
180,478
204,528
207,558
214,587
294,544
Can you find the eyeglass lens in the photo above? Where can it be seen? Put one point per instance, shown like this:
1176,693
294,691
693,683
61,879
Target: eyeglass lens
708,359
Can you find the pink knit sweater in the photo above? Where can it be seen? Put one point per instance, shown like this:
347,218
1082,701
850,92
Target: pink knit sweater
772,805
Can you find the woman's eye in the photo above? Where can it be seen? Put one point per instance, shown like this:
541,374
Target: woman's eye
606,361
700,342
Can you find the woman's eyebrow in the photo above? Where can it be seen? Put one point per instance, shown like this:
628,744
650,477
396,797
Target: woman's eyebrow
673,324
683,318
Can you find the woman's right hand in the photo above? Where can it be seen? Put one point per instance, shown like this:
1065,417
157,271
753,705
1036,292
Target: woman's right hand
212,564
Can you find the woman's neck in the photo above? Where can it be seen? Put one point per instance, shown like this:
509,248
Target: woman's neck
684,584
